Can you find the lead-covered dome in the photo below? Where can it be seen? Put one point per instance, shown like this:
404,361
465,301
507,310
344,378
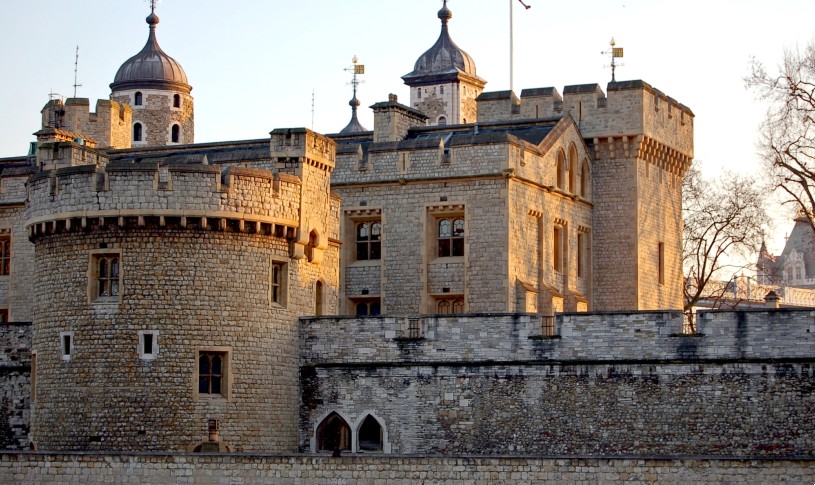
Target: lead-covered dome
445,57
151,68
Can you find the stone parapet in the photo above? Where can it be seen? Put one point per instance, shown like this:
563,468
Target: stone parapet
123,193
609,337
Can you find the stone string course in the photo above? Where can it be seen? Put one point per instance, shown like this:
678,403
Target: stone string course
82,469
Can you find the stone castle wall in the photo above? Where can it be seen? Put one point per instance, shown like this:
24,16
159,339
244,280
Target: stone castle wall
258,469
15,385
605,384
16,288
197,248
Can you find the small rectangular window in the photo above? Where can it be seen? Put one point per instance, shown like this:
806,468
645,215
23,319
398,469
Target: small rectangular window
557,252
661,262
66,345
105,276
278,281
580,256
148,344
213,371
3,315
5,255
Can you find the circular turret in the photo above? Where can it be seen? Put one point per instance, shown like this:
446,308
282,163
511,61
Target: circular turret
168,298
156,87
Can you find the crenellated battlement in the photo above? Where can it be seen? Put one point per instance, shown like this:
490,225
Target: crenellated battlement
109,126
631,110
149,193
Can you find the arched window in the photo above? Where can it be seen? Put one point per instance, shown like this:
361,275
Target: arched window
442,121
370,436
176,101
451,237
318,297
450,306
137,132
333,434
137,98
572,168
108,276
561,170
176,134
585,179
368,240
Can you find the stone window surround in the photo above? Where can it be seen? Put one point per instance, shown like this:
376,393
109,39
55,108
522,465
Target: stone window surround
226,373
5,252
154,354
93,277
66,337
369,242
282,284
435,213
367,300
143,133
355,427
354,216
173,124
452,299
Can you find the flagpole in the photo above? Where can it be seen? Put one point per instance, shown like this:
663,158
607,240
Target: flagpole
511,49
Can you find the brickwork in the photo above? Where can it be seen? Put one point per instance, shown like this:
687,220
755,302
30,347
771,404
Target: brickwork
608,384
47,469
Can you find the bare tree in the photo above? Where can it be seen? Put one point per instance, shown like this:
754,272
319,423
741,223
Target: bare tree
724,222
787,136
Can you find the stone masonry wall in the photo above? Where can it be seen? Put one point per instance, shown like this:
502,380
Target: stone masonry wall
196,254
15,385
80,469
607,384
16,289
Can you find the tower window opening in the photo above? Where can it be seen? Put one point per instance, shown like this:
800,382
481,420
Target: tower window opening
137,98
370,435
442,121
176,133
137,132
176,101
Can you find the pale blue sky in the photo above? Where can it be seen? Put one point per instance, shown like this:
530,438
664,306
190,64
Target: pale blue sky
253,64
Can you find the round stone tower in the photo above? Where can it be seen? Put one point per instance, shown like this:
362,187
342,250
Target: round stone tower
156,86
169,298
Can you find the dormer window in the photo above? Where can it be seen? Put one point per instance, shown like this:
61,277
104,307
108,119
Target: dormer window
137,98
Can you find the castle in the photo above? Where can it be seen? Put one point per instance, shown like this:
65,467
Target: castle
480,273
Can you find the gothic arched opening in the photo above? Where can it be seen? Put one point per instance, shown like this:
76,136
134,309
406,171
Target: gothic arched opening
333,434
370,435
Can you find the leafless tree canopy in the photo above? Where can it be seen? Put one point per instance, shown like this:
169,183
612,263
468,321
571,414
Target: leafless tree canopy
787,138
724,222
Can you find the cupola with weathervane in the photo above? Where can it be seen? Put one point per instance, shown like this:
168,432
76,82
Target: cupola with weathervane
156,87
444,83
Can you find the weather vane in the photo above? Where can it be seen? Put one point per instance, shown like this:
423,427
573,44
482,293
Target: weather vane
357,69
153,4
615,53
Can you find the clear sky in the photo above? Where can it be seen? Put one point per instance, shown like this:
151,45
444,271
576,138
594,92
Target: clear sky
254,64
